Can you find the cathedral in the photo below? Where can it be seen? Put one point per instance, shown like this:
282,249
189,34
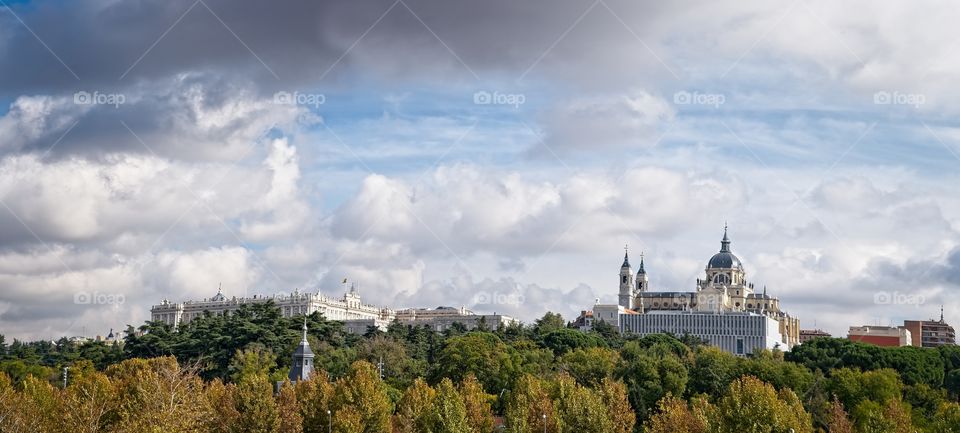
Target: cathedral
724,289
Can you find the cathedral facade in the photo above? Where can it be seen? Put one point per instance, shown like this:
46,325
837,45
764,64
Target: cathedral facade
724,289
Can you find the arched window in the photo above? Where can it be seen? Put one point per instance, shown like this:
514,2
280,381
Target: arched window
721,279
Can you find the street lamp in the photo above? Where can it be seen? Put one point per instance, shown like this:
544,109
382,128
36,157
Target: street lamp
544,423
329,422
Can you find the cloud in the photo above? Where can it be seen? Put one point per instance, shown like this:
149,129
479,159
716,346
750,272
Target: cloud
200,177
463,209
187,117
608,123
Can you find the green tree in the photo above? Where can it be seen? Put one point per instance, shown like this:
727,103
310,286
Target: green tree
449,413
590,366
564,340
580,409
548,323
649,378
255,360
481,354
712,371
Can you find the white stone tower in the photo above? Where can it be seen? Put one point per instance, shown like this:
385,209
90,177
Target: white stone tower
626,281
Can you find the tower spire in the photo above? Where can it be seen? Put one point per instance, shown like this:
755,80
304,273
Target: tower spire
626,256
725,242
302,365
941,313
641,270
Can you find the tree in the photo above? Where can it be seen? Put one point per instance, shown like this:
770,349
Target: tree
399,370
947,418
564,340
348,420
89,404
891,417
314,398
838,421
712,370
548,323
255,403
255,360
674,416
580,409
220,402
449,414
614,394
648,378
36,408
477,404
414,409
590,366
751,405
481,354
363,391
158,395
853,386
530,408
288,410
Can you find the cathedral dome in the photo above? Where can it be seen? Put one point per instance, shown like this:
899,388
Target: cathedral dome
724,259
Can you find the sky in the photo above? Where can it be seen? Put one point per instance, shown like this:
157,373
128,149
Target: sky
496,155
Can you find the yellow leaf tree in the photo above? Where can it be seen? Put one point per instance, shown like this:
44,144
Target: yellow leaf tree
363,391
477,403
414,408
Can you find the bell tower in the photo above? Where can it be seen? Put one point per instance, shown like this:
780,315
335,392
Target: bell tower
626,281
643,283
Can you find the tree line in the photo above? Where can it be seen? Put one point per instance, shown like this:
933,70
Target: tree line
220,374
